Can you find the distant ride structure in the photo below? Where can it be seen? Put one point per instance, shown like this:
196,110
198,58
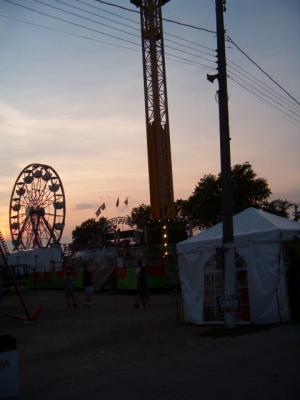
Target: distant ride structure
156,110
119,223
163,229
37,208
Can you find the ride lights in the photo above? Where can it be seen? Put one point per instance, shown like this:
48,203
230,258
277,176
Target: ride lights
165,240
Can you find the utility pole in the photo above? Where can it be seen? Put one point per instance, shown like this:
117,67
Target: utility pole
228,241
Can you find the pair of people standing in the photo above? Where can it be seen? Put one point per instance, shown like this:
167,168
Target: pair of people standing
87,283
142,299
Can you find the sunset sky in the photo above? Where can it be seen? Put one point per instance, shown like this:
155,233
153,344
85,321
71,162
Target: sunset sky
73,98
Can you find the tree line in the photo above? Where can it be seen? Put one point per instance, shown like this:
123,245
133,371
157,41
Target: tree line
203,208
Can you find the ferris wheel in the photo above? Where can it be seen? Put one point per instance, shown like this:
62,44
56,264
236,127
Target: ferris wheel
37,208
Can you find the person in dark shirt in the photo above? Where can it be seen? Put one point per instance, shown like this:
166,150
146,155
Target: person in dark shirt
87,283
142,299
69,289
293,276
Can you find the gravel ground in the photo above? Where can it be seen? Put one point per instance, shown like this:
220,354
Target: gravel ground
115,351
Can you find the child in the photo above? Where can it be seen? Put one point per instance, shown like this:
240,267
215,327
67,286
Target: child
69,289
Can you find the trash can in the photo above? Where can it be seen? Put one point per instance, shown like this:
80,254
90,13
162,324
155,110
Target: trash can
9,368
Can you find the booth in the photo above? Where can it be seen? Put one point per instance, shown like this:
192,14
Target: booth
263,243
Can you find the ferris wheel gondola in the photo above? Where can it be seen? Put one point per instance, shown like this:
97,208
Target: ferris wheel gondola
37,208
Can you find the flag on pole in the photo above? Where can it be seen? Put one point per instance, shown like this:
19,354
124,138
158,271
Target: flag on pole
102,206
98,212
126,201
117,203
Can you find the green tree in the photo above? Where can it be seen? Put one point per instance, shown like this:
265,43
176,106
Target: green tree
279,207
90,233
204,207
247,189
140,215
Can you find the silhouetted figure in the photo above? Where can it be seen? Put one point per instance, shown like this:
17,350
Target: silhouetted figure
142,299
69,289
293,276
87,282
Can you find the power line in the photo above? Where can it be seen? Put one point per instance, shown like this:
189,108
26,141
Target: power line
190,62
69,33
191,42
107,12
164,19
85,18
188,53
166,33
190,47
264,94
261,83
182,60
170,55
117,6
111,27
229,39
71,23
98,15
262,70
130,26
272,106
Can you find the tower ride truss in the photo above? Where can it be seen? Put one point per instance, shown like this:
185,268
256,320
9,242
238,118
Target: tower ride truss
156,107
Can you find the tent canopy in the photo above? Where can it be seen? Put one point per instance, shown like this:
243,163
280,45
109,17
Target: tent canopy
249,225
258,238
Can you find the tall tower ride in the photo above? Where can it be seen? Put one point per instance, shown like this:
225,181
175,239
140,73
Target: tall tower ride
156,107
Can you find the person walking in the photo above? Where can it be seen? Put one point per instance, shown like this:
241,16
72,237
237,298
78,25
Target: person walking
142,299
293,281
87,282
69,289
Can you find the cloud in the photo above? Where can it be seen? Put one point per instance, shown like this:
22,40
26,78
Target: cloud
85,206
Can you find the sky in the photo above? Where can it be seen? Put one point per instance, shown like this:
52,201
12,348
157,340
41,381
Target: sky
73,99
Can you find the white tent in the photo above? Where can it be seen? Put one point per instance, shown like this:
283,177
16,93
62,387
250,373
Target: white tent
260,241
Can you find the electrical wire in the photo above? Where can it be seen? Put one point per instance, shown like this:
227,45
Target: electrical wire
228,38
184,60
191,62
236,67
193,43
261,69
111,27
120,30
98,15
190,47
71,23
130,26
265,95
164,19
70,34
263,100
166,33
85,18
171,56
107,12
188,53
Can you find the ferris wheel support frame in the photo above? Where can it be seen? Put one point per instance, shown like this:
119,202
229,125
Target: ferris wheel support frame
37,208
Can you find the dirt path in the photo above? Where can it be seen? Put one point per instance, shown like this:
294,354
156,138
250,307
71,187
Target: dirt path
114,351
